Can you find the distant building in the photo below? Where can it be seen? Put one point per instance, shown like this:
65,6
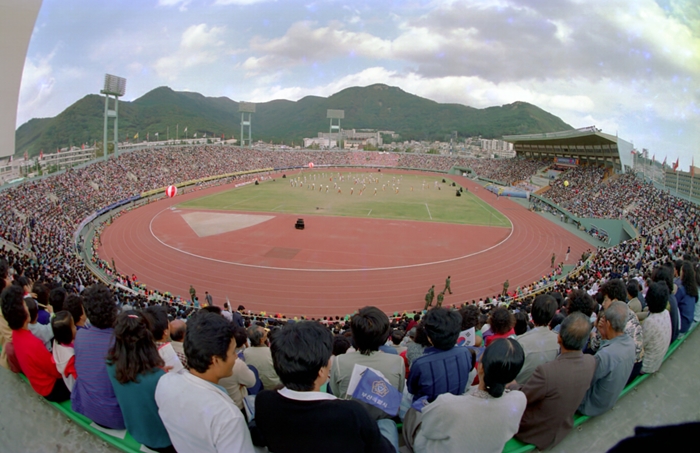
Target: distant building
67,157
684,183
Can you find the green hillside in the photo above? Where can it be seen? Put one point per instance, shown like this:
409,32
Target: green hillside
374,107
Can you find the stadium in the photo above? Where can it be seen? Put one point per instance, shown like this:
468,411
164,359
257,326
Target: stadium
569,214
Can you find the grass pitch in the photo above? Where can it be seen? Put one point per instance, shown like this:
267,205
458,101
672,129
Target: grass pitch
384,196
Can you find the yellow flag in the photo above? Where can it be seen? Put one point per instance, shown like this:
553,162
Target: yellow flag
136,136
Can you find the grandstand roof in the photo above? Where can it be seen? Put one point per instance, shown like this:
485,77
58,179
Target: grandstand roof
584,136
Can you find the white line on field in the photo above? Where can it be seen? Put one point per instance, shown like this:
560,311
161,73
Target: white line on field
277,207
370,212
426,207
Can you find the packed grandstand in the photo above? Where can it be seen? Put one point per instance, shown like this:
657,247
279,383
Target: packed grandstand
40,219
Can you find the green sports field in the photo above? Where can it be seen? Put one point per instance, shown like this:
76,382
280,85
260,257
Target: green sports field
324,193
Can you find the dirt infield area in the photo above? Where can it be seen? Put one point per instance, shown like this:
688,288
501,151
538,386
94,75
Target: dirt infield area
336,264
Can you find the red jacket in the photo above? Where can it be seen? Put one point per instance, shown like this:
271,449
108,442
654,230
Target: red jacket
36,361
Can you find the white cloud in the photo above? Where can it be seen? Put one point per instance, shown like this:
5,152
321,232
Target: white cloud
199,45
239,2
38,82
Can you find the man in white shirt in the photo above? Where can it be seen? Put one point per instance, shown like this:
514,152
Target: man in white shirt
196,411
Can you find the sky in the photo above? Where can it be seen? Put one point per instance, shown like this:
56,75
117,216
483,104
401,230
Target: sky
629,67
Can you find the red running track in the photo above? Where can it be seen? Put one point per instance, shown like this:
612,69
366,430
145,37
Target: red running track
337,264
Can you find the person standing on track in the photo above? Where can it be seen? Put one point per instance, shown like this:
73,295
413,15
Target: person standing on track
447,285
193,293
440,299
429,297
506,284
554,257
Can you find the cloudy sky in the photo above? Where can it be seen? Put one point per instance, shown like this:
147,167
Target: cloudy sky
628,67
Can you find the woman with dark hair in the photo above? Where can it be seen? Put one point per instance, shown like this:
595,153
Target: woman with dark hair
491,413
664,274
657,328
687,294
134,368
502,322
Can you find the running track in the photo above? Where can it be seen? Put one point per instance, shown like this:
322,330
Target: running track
376,278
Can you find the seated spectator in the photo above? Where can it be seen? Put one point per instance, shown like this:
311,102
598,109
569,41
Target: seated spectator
615,290
501,322
93,395
556,388
32,356
417,344
160,329
41,291
74,305
41,331
210,349
258,355
370,329
540,344
178,327
657,328
63,352
686,294
299,417
470,320
134,368
396,340
243,377
484,418
443,368
57,297
634,303
665,274
614,362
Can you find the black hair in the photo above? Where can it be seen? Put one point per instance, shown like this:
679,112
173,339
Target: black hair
212,309
615,290
74,305
62,327
557,319
158,321
13,307
134,351
579,300
241,336
521,323
663,274
501,320
299,351
32,309
208,335
397,336
502,361
442,326
574,331
99,306
42,293
341,344
687,275
543,309
470,316
633,288
370,329
657,297
57,297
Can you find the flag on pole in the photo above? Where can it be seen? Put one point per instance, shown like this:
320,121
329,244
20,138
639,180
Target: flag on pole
82,146
185,129
136,136
156,134
195,134
58,150
675,166
41,154
692,168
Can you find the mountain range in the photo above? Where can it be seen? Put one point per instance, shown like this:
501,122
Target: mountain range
378,106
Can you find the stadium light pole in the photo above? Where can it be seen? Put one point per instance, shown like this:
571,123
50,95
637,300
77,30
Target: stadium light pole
114,86
249,108
332,114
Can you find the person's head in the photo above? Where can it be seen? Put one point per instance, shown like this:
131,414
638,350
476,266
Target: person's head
257,336
663,274
241,337
99,306
543,309
612,290
212,309
556,320
56,298
397,336
500,364
134,351
470,316
241,308
657,297
158,322
574,331
226,306
14,310
370,328
74,305
63,328
341,344
579,301
442,327
521,322
32,309
615,320
687,275
209,345
632,288
501,320
301,355
178,327
42,293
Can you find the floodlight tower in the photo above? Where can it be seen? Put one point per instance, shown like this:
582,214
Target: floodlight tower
249,108
114,86
332,114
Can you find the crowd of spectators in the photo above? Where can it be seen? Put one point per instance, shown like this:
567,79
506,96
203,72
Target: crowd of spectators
142,361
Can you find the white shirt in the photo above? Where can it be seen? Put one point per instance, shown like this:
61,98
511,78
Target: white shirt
200,417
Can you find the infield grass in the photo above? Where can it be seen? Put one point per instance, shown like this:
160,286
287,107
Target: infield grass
294,195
